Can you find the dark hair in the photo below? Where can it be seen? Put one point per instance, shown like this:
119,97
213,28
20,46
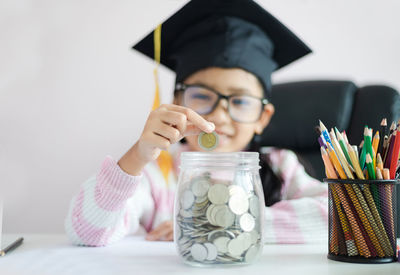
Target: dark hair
271,183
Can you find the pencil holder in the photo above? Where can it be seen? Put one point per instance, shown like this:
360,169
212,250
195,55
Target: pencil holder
362,220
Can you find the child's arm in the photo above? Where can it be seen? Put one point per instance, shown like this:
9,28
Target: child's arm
302,214
100,213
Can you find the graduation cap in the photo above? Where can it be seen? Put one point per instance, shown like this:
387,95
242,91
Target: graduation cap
226,34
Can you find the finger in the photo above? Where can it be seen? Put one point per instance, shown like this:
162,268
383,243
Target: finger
168,132
170,236
158,141
192,130
159,233
176,119
194,117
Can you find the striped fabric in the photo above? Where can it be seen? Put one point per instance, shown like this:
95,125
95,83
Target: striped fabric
114,204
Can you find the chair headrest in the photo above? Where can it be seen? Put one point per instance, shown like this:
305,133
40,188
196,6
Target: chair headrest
299,106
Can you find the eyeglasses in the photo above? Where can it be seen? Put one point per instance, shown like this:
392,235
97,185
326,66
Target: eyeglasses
204,100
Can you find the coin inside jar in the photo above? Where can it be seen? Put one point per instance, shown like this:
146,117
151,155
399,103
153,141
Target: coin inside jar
208,141
199,252
218,193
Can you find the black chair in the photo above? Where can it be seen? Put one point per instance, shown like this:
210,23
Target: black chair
299,106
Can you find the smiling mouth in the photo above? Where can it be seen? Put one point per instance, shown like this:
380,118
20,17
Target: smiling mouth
223,133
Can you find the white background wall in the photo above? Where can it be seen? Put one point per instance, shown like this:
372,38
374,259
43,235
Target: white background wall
72,91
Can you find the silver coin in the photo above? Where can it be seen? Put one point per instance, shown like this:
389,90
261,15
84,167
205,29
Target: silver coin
239,204
201,199
235,247
224,217
200,187
212,251
208,214
251,253
222,244
254,206
246,240
185,213
199,252
220,233
187,199
178,233
218,194
247,222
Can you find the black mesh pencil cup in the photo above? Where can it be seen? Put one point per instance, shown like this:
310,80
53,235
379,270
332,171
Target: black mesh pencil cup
362,220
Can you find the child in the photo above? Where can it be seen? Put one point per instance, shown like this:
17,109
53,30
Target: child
223,54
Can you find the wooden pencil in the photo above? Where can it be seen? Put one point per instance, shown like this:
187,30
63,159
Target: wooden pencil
389,221
324,132
343,146
355,162
331,174
335,162
387,160
349,239
359,238
382,135
394,158
341,156
372,206
362,209
370,167
375,144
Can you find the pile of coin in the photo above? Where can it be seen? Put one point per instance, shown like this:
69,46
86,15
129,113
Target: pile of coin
218,222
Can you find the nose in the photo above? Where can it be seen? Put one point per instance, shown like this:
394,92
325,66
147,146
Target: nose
220,115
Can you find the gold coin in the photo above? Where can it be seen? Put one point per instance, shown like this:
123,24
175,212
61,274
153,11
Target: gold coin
208,141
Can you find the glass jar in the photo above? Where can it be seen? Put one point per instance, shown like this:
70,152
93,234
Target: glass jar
219,209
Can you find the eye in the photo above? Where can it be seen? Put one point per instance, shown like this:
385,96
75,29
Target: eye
241,101
200,96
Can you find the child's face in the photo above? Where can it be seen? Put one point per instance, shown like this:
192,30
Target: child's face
233,136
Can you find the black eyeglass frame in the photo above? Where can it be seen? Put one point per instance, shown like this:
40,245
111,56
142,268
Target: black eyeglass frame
181,87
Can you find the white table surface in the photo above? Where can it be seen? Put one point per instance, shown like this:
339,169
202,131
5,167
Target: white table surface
53,254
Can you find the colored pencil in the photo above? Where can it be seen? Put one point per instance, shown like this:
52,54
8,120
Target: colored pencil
388,158
324,132
371,203
335,162
359,238
363,154
349,239
382,135
361,209
356,164
394,158
343,146
341,156
370,167
330,171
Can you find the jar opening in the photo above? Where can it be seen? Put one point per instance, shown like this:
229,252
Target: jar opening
237,160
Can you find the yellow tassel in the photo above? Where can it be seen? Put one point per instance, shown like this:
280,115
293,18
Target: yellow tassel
164,160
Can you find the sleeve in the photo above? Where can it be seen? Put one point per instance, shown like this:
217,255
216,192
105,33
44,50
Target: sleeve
302,214
107,207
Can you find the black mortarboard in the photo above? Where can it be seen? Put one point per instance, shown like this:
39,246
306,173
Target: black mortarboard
227,34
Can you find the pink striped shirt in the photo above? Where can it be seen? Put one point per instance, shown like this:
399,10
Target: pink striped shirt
114,204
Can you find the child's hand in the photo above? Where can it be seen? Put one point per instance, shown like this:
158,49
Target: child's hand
163,232
165,126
